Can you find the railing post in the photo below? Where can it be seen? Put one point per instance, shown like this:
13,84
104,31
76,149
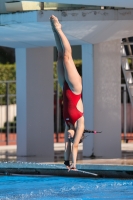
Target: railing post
7,106
125,111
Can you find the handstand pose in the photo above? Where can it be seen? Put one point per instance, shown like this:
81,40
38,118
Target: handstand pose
71,84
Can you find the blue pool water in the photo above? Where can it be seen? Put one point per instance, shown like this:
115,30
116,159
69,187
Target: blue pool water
61,188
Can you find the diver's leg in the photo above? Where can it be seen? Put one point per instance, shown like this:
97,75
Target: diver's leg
71,74
57,38
60,67
60,72
78,135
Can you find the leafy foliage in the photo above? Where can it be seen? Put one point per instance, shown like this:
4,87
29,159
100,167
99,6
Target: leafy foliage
7,73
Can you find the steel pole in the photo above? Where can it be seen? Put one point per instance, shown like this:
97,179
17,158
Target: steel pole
7,107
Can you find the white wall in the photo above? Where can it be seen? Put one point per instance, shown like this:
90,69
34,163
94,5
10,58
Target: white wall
11,113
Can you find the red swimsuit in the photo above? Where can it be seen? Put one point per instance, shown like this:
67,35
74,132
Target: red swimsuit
70,112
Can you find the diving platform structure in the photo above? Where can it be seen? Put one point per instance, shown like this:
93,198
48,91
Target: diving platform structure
99,31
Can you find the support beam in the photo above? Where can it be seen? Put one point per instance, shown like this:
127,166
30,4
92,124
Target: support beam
35,103
101,97
107,99
88,99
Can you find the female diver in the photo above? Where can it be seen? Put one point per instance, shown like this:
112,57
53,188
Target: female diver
71,84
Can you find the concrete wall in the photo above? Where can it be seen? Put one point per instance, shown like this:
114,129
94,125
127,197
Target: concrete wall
102,98
107,99
35,102
88,95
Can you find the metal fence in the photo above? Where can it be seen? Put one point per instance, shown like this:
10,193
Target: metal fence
8,112
126,115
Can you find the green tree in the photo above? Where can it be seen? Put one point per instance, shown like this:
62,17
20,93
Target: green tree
7,73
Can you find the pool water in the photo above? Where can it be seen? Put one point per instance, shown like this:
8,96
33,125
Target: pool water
61,188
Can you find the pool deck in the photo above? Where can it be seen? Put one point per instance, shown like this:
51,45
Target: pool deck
118,167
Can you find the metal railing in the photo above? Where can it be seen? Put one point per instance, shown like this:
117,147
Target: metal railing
7,112
126,115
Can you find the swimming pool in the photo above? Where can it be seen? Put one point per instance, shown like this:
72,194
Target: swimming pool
61,188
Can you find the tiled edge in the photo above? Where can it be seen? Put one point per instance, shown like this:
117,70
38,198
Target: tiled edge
61,166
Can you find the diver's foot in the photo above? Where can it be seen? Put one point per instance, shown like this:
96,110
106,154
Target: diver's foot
56,26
